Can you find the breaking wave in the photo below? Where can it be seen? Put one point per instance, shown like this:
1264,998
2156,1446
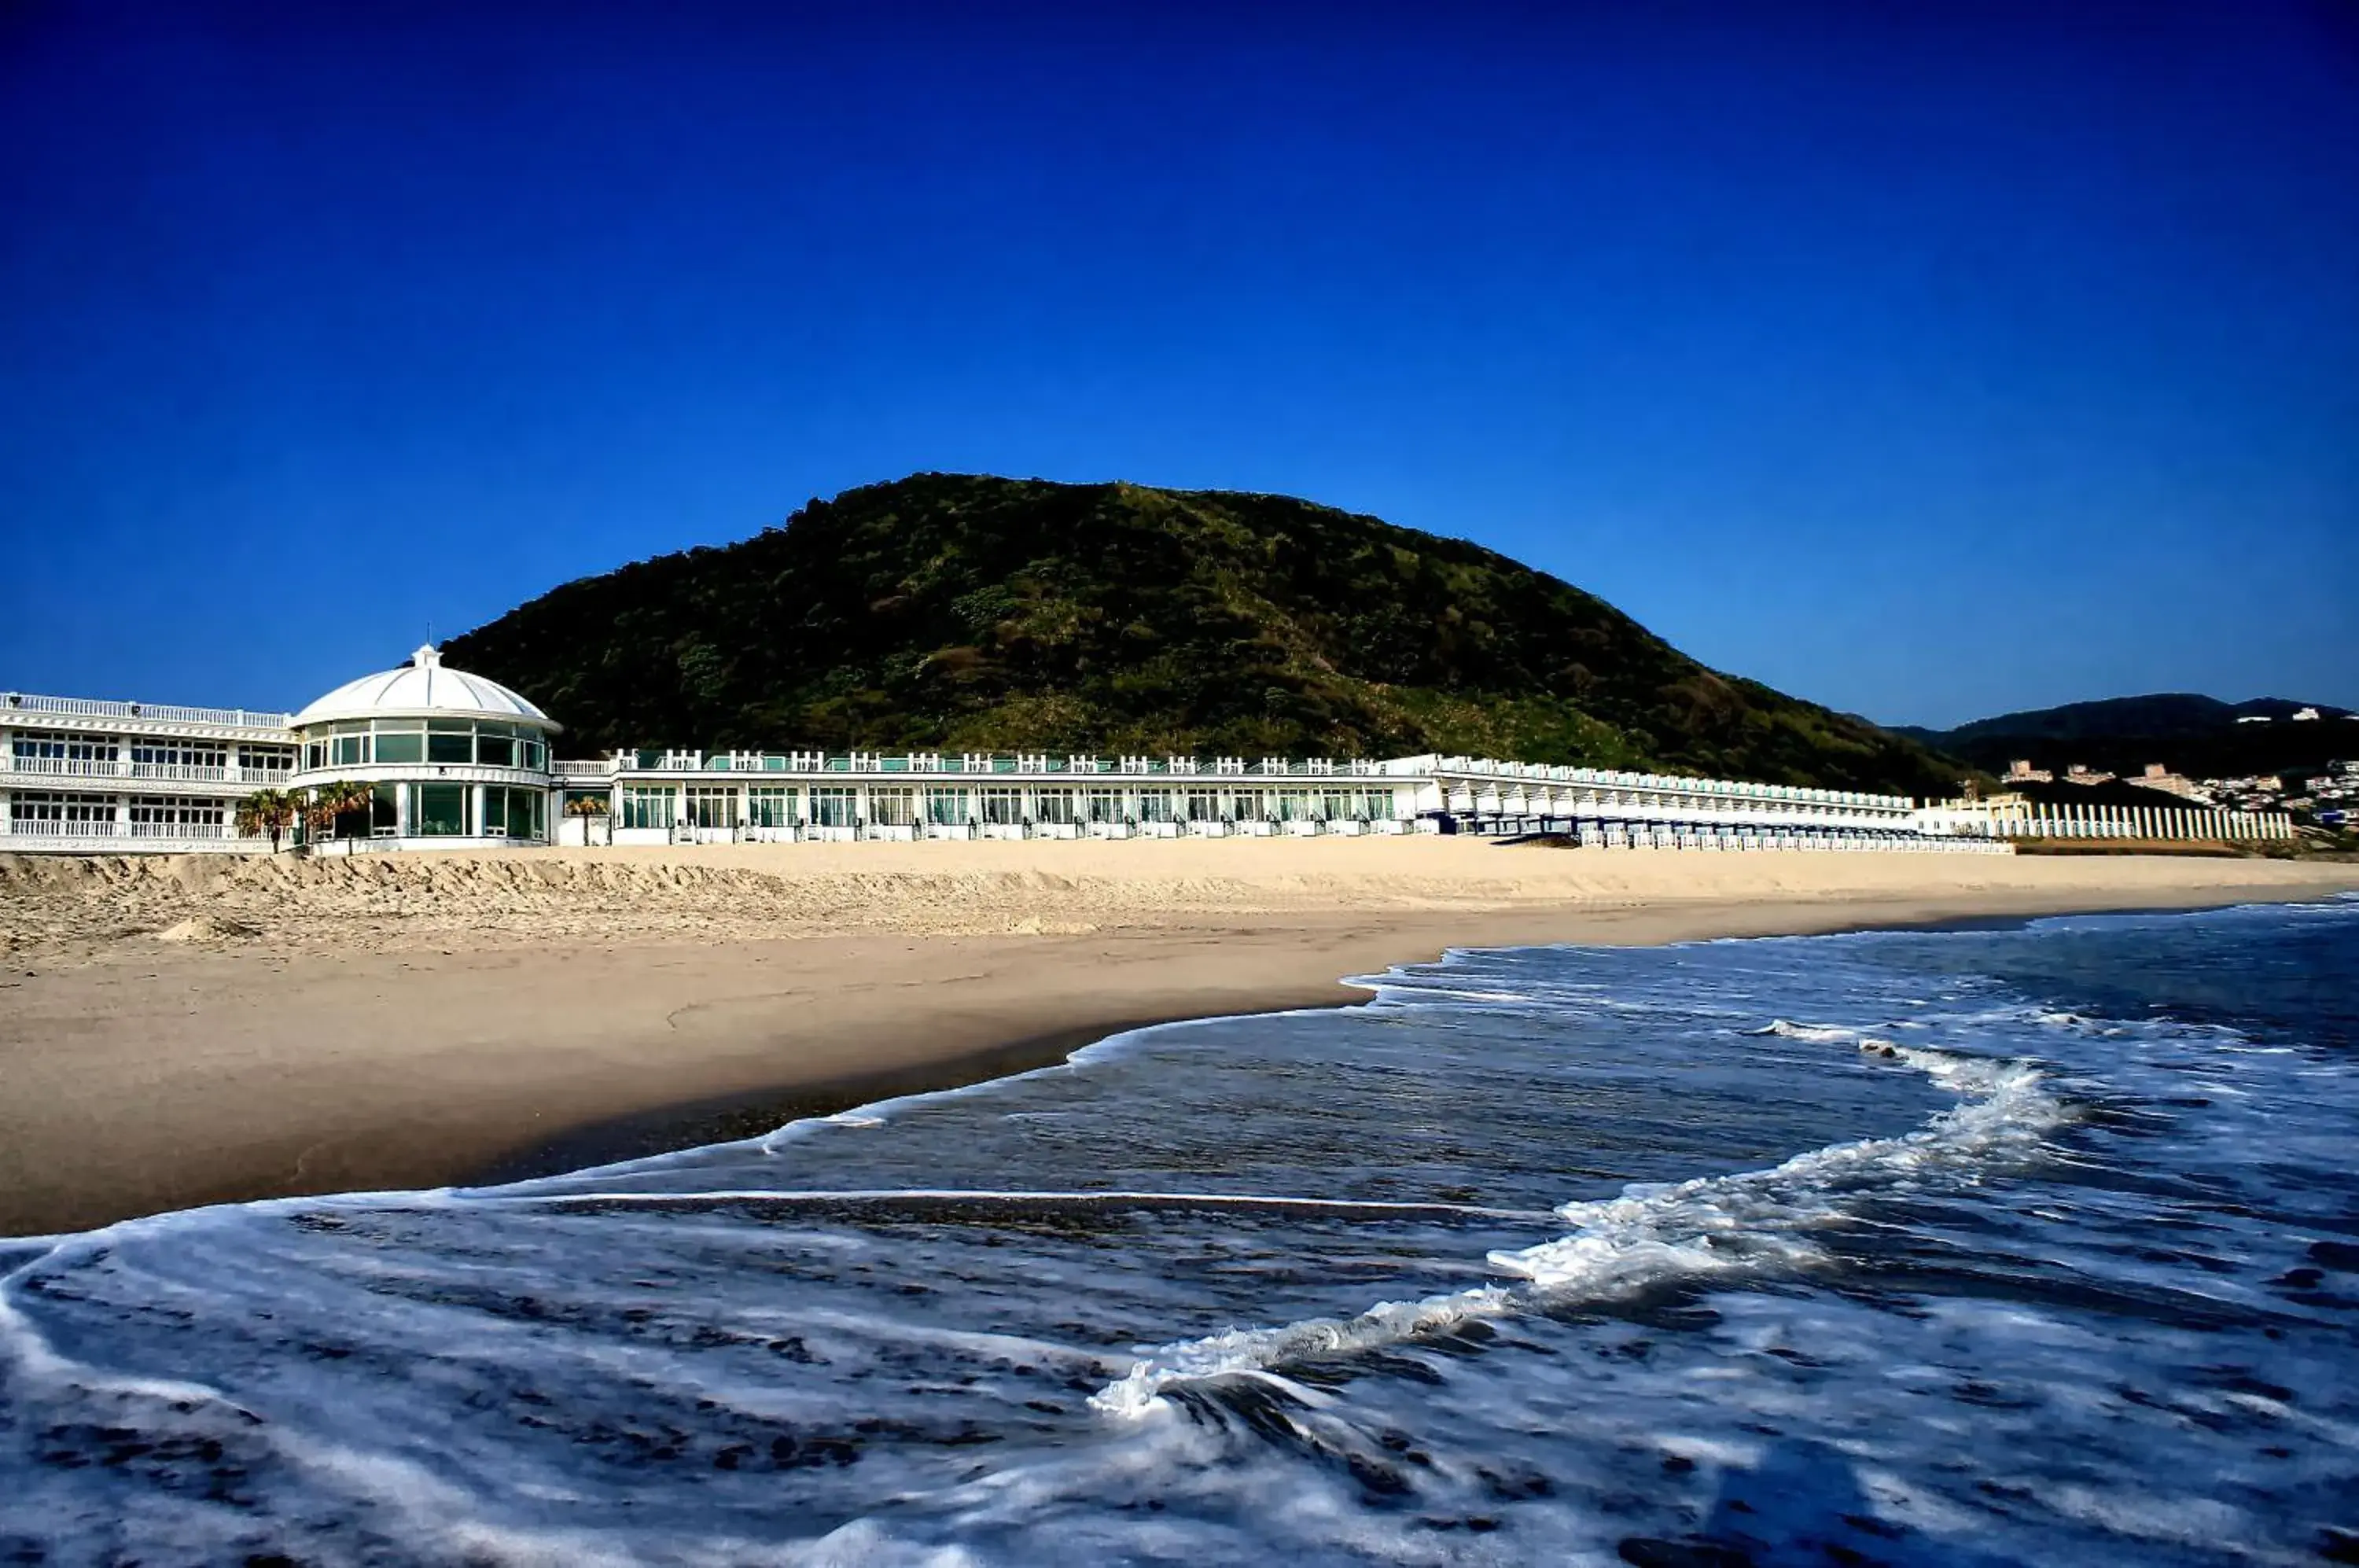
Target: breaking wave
1754,1223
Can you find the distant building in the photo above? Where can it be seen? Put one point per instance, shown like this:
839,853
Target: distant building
2253,719
2081,773
2305,713
2157,775
2020,771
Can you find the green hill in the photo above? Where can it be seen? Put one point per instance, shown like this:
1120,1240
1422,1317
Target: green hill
971,613
2197,735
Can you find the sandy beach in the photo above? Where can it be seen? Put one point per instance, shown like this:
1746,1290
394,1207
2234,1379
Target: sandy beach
176,1031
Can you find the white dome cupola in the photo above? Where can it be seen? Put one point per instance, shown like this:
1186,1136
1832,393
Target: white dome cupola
425,688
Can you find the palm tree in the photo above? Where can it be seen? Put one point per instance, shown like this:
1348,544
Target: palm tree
267,812
341,798
586,806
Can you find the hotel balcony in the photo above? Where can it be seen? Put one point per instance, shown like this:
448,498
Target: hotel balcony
16,703
54,768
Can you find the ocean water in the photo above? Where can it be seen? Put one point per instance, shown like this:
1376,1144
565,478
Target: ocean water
2028,1245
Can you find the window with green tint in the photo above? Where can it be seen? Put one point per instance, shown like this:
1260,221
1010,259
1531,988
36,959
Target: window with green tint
348,749
385,814
450,746
439,811
495,810
649,807
495,750
528,814
400,746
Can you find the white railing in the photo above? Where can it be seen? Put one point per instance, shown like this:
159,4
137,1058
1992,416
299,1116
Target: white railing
65,767
208,772
166,713
583,769
179,830
39,827
186,772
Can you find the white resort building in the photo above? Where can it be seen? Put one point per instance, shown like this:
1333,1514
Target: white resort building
445,759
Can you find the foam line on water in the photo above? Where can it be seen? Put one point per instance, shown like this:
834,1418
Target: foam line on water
1753,1223
986,1197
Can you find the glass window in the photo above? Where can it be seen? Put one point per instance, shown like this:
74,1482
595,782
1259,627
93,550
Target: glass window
1247,805
1003,808
532,754
770,806
1054,805
525,812
495,750
712,807
1203,806
315,754
179,754
450,744
834,807
401,745
891,807
1104,805
81,813
495,811
384,811
648,807
1154,806
439,811
348,749
946,807
168,815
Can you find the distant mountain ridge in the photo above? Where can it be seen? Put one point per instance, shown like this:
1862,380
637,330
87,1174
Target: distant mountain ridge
2189,733
973,613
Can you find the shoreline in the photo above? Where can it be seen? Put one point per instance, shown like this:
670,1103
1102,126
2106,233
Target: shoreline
732,1118
151,1076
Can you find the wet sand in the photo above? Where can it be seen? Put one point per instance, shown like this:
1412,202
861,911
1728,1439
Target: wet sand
173,1035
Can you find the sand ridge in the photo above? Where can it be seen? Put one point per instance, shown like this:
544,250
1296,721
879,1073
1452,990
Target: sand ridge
69,909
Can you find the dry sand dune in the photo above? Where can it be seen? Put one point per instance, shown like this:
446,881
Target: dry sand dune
67,906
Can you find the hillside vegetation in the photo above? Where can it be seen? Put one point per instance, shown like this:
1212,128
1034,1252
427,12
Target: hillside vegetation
971,613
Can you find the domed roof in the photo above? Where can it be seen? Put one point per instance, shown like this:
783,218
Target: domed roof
423,689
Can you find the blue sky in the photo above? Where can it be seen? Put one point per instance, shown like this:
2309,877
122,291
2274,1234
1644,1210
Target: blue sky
1926,360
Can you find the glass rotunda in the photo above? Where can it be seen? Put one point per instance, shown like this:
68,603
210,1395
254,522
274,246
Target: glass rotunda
447,759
